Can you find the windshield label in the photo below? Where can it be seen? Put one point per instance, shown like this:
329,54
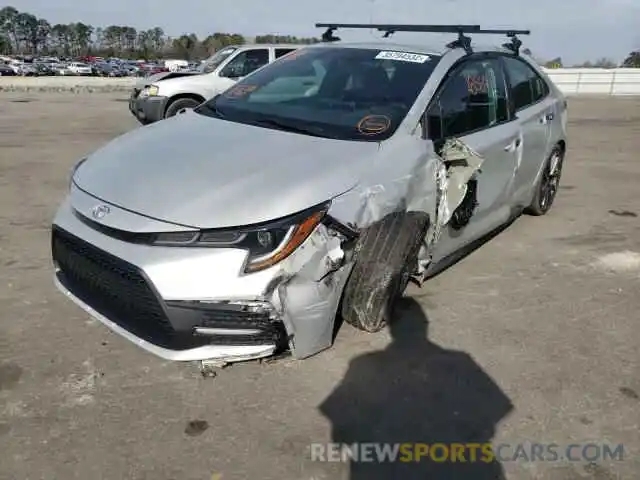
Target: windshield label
402,57
374,124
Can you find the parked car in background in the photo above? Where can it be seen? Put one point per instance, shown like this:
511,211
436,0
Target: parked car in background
16,66
109,70
163,95
29,70
62,69
44,70
80,68
7,71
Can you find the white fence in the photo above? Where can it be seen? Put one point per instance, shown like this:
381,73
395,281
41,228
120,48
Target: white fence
596,81
572,81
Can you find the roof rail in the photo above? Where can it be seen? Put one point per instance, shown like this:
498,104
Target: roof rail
462,41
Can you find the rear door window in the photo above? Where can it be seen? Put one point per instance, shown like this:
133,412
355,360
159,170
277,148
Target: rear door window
527,87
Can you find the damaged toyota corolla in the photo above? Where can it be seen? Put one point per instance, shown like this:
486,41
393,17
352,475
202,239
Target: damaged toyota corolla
314,188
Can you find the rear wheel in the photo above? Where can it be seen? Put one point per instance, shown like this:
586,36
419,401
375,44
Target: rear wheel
548,185
386,256
180,104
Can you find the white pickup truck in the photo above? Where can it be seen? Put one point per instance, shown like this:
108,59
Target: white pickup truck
165,94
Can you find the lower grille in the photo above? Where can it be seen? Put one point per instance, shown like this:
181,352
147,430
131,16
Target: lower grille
116,289
251,327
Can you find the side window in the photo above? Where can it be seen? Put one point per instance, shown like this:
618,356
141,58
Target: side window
245,63
281,52
474,97
527,87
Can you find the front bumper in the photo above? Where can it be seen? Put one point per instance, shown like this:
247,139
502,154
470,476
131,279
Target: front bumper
227,353
188,304
147,109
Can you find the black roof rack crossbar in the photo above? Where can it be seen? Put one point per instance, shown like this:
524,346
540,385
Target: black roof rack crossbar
463,41
383,27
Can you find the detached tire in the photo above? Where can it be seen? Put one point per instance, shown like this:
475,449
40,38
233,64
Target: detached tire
386,253
547,187
180,104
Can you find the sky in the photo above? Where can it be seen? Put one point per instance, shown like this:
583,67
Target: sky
575,30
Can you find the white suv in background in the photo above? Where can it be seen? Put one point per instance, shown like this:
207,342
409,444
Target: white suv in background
165,94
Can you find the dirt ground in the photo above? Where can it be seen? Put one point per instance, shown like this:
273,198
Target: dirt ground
532,338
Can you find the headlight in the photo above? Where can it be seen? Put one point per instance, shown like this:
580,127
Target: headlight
74,170
267,243
150,91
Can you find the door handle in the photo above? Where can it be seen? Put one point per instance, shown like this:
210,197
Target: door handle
514,145
546,118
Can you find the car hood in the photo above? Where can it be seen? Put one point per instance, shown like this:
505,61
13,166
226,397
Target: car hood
203,172
156,77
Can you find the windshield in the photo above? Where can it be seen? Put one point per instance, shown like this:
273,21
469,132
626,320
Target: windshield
211,63
342,93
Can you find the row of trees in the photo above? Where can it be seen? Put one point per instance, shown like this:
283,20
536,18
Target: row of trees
23,32
632,61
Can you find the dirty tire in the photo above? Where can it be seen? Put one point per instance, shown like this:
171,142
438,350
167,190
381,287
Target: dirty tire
548,185
386,255
180,104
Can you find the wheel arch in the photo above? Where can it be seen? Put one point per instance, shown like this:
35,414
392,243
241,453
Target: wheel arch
180,96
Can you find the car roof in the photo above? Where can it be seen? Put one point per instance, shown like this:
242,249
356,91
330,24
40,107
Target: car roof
409,47
413,48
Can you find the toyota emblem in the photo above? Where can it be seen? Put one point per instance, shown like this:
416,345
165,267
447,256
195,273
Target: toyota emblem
100,211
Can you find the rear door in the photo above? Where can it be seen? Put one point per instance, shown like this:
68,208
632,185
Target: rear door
533,107
472,106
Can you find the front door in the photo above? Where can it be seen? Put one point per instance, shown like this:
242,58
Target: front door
472,106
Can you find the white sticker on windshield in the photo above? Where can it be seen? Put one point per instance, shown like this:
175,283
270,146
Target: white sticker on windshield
402,57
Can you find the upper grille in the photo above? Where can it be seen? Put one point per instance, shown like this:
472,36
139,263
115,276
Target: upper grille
116,289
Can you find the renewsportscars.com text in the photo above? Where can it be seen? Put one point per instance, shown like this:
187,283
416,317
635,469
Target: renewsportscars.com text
465,452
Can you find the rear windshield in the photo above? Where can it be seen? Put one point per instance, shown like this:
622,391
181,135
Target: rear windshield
342,93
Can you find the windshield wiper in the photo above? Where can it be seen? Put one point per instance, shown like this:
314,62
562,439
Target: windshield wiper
287,127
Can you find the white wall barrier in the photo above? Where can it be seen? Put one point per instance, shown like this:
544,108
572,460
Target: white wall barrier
572,81
596,81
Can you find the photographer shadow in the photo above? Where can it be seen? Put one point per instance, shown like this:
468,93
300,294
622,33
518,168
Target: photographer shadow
417,392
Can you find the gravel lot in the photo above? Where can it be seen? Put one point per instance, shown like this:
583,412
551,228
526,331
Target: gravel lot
534,337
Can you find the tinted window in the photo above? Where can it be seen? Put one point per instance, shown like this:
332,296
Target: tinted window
527,87
283,51
344,93
245,63
473,98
